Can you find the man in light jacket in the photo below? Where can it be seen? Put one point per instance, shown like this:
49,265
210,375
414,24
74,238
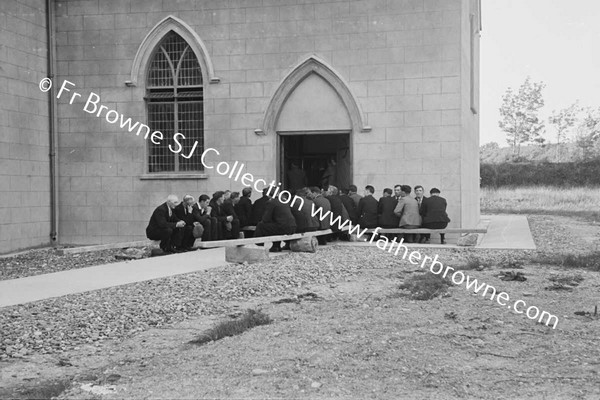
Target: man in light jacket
407,210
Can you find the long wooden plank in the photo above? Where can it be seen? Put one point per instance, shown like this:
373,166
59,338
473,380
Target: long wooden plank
425,230
262,239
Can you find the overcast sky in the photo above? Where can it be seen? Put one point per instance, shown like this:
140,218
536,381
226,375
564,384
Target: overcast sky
555,41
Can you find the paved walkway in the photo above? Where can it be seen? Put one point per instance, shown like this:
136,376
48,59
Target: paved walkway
504,232
34,288
507,231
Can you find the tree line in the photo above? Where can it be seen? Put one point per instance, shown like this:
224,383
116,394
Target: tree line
520,119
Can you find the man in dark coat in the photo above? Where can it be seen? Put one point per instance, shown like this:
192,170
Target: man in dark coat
277,220
165,226
258,208
385,210
337,210
420,198
353,193
350,205
185,212
210,224
367,209
325,206
228,225
296,177
305,222
433,211
243,208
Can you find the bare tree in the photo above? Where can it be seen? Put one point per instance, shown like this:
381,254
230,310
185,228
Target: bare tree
519,115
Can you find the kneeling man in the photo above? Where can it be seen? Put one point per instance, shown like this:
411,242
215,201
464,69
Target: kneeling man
166,227
277,220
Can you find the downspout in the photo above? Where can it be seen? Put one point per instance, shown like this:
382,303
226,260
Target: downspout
52,126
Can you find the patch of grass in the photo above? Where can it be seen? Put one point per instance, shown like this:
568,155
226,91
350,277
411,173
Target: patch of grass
42,391
238,326
589,261
426,286
571,280
567,201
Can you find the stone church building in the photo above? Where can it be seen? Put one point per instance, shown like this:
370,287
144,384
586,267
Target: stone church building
386,88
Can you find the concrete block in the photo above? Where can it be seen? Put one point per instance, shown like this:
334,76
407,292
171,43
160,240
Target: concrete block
451,150
404,71
451,18
331,42
373,104
94,22
82,7
250,254
146,6
413,151
297,12
386,119
422,86
254,89
330,10
257,105
350,24
405,6
450,68
299,44
403,38
393,55
247,61
308,245
441,133
120,183
350,57
404,103
230,106
367,72
246,121
317,27
228,47
404,135
262,14
413,54
368,7
261,46
447,101
441,36
249,153
451,51
450,117
113,7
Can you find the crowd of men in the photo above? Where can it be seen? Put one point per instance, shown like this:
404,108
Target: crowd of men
178,224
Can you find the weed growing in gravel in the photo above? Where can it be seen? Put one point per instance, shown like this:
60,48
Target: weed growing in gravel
474,262
425,287
238,326
43,391
590,261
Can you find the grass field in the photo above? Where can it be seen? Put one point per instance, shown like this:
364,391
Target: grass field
577,201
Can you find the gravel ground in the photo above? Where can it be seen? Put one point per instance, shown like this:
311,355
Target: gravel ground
46,261
86,323
59,324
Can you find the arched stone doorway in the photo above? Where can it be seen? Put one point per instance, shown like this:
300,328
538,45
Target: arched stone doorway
314,116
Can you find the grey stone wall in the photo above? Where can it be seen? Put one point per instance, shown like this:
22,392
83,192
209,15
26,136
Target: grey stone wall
24,181
403,60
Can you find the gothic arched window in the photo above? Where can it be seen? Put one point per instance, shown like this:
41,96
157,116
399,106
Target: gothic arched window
174,101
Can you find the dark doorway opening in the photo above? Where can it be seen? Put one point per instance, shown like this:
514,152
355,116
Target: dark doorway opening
312,152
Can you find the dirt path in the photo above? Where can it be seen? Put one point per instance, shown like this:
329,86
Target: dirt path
360,339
